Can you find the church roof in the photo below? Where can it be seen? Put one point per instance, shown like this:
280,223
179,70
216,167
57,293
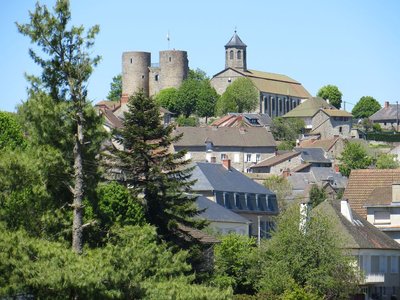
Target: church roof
235,41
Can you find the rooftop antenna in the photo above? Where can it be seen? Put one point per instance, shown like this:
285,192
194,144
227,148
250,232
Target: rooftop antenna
168,39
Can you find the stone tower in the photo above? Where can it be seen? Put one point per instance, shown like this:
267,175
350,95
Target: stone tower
235,54
174,68
135,72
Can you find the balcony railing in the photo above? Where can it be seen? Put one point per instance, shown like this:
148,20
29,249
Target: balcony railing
374,278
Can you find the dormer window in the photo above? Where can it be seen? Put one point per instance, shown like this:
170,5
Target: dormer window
209,146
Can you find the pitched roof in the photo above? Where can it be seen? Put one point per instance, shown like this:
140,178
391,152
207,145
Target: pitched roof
197,234
217,213
357,235
277,159
225,136
362,183
308,108
313,155
111,119
235,41
386,113
325,144
380,196
300,167
215,177
240,119
336,112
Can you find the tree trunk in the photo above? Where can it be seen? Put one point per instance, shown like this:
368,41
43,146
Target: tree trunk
77,229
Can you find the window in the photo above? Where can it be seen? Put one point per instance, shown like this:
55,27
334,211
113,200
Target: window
209,146
156,77
239,55
170,58
382,264
131,60
224,156
231,54
340,129
394,264
248,157
382,217
258,157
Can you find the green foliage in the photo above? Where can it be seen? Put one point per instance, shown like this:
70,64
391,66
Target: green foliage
300,293
160,176
10,131
197,74
312,260
389,137
32,192
365,107
207,100
287,129
317,195
133,265
241,96
117,206
387,161
354,156
167,98
331,93
115,92
286,145
281,187
235,260
377,127
187,121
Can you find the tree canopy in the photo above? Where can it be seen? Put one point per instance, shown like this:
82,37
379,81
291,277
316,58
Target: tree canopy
331,93
365,107
387,161
11,134
115,92
354,156
240,96
287,129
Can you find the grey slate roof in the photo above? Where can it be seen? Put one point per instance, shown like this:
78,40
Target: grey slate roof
235,41
328,174
385,113
225,136
217,213
360,234
215,177
316,155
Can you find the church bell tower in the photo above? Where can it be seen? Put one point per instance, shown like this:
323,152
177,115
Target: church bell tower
235,54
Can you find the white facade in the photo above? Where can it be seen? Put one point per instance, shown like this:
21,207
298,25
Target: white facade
386,218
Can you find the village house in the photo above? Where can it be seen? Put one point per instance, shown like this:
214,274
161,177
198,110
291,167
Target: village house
375,196
375,253
387,117
244,146
233,190
243,119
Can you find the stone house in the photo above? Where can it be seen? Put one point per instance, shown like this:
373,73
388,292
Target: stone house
375,253
375,195
329,123
333,146
387,117
233,190
243,119
279,163
243,146
278,93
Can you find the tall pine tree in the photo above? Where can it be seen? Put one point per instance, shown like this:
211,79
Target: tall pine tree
159,175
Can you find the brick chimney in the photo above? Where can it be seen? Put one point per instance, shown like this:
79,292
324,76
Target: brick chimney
124,99
396,192
226,163
386,104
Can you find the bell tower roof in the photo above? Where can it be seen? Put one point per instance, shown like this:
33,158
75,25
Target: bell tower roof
235,41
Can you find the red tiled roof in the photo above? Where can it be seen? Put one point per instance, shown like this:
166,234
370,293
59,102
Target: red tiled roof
362,184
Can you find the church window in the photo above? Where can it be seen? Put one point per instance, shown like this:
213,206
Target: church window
131,60
169,58
231,54
239,55
156,77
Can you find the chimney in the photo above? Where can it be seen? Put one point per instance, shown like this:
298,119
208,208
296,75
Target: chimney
286,173
124,99
396,192
345,210
226,163
386,104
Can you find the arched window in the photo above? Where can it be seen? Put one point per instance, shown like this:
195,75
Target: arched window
239,55
226,54
231,54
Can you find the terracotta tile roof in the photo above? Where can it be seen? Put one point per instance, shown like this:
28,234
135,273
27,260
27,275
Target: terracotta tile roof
362,184
277,159
325,144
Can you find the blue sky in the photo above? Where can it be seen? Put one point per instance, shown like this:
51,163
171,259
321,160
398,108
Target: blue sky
354,45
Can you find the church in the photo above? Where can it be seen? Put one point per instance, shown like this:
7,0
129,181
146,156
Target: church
279,94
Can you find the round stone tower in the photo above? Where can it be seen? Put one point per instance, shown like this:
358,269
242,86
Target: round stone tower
174,68
135,72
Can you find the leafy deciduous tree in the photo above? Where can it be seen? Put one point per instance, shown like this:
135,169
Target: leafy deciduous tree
167,98
241,96
286,129
365,107
115,92
281,187
317,195
354,156
331,93
387,161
